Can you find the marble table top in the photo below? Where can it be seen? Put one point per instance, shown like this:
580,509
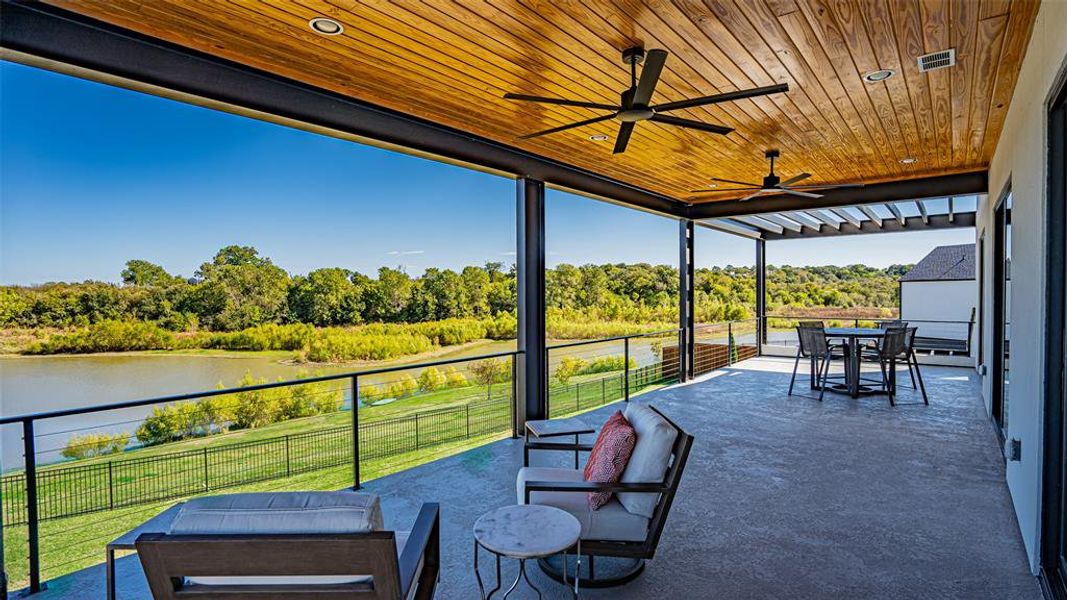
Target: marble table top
554,427
527,531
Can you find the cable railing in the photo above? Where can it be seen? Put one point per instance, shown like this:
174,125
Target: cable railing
591,373
95,472
933,337
299,433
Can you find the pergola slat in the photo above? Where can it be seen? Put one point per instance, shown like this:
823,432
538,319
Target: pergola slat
760,223
847,216
806,220
782,220
922,212
732,226
825,218
873,216
897,214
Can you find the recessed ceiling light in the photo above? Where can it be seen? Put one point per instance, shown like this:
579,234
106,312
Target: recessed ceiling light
908,161
879,75
600,137
326,26
711,185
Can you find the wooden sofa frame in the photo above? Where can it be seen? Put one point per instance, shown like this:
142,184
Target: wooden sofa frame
169,559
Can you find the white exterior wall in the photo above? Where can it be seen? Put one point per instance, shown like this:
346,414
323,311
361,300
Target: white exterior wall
942,301
1021,158
938,300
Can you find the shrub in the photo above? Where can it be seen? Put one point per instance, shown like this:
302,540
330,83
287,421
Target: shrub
568,367
405,386
604,364
454,378
371,393
334,345
431,379
255,408
95,444
107,336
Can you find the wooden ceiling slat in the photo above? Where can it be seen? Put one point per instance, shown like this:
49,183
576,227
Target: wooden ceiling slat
1020,25
990,41
935,32
749,39
844,31
451,61
907,21
962,36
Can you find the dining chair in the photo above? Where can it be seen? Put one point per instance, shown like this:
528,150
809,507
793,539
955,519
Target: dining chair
907,356
814,347
893,345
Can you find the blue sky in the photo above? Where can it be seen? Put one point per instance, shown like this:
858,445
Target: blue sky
91,176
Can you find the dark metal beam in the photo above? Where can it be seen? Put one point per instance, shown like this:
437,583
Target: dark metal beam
53,38
761,295
958,184
686,287
530,268
910,224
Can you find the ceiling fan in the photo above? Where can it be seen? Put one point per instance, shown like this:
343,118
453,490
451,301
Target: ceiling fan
772,184
634,104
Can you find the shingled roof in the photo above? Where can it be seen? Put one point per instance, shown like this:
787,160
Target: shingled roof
944,263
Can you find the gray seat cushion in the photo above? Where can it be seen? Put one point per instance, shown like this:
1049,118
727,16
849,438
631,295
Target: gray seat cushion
279,512
650,458
610,522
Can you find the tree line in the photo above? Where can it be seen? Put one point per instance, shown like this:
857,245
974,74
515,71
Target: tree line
239,288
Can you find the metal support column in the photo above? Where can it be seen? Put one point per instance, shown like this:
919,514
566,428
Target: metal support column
686,321
532,401
761,295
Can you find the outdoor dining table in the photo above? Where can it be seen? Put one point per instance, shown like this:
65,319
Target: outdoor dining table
853,338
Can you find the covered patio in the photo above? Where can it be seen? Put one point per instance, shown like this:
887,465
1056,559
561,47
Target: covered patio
783,497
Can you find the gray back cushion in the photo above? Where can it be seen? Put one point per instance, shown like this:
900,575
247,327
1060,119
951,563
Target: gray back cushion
279,512
650,458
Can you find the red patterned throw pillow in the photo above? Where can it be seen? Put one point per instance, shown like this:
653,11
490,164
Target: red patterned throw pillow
610,454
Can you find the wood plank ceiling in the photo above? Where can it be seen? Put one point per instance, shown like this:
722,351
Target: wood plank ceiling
451,62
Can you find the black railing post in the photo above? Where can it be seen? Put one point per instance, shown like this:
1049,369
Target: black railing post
514,395
730,343
761,295
207,482
468,406
355,432
416,431
288,460
110,485
626,367
29,446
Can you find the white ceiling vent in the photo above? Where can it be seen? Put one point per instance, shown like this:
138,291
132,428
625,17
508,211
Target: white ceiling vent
937,60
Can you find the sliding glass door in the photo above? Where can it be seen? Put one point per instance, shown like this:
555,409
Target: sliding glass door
1002,312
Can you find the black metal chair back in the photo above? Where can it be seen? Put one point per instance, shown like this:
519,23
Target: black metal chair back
818,324
895,342
813,341
891,323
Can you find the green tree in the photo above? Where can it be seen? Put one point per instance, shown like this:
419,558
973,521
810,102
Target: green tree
431,379
144,273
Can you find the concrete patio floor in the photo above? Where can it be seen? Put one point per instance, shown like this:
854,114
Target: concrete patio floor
783,497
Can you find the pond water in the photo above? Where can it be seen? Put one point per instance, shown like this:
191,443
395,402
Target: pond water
46,383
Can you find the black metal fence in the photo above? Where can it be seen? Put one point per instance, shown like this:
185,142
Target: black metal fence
75,490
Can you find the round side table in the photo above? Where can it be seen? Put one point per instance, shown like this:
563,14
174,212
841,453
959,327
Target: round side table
524,532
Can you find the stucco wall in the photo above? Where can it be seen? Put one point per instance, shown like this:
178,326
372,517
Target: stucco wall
1021,158
940,301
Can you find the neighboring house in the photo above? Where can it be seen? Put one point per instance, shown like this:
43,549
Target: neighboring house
939,296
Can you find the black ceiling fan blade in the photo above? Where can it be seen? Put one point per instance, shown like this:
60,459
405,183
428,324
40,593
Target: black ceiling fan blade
726,97
650,72
624,138
560,101
744,183
827,186
793,192
566,127
740,189
793,180
690,124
